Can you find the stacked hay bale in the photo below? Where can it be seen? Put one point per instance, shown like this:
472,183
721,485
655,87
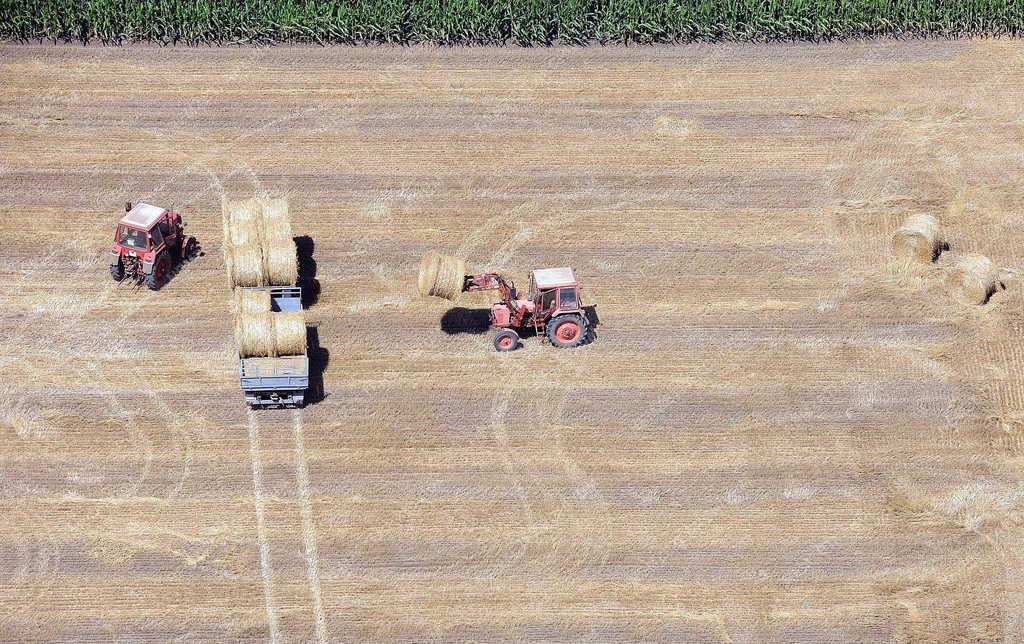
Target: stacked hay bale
280,262
258,246
441,275
270,335
259,253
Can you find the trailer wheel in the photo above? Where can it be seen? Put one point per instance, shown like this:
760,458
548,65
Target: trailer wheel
117,271
506,340
161,268
567,331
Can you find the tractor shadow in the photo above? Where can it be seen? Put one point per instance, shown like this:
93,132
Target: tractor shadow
310,285
319,358
179,264
593,321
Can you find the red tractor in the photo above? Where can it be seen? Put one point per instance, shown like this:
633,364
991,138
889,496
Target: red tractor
148,242
552,307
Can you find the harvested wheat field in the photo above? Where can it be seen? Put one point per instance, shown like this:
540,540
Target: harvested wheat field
782,432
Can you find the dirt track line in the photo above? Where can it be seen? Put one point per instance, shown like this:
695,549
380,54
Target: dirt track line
261,528
308,529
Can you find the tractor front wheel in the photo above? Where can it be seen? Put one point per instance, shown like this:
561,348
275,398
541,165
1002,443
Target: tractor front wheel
506,340
567,331
117,271
161,268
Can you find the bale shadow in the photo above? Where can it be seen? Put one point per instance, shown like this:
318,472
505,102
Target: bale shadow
462,320
939,250
304,247
319,358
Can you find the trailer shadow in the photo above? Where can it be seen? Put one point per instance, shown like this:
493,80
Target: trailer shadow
319,357
304,247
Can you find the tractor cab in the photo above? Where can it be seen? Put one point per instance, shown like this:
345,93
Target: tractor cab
554,291
148,240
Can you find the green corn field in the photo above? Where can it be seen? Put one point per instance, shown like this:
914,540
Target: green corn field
522,22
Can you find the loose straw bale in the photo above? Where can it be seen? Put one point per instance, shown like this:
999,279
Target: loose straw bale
441,275
918,238
282,266
290,333
252,301
255,335
972,279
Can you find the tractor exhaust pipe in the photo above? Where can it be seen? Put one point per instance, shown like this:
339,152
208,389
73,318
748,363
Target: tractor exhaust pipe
127,206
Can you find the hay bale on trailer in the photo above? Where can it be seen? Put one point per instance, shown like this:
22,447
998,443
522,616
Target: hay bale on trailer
972,280
254,333
252,301
441,275
290,333
279,255
243,249
918,238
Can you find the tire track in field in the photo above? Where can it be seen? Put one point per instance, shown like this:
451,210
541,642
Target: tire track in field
261,528
308,528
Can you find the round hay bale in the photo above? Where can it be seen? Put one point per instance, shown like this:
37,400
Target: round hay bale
917,238
972,279
254,333
247,250
282,264
252,301
442,275
242,248
290,333
428,272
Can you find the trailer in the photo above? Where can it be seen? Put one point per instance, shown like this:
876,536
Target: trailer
280,381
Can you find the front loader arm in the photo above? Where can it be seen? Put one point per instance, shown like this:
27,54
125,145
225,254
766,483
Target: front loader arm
491,282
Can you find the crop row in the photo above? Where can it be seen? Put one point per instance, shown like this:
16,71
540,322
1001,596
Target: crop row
523,22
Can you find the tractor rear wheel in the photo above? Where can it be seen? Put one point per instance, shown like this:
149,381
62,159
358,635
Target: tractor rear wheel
189,248
506,340
117,271
567,331
161,268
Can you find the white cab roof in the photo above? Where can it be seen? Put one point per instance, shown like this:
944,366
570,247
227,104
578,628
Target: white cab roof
552,277
142,215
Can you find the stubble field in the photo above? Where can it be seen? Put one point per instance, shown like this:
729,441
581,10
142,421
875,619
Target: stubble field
779,433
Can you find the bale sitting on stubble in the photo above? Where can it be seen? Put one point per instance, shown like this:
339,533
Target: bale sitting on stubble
441,275
972,279
918,238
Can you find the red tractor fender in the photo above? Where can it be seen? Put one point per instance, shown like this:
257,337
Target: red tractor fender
187,244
